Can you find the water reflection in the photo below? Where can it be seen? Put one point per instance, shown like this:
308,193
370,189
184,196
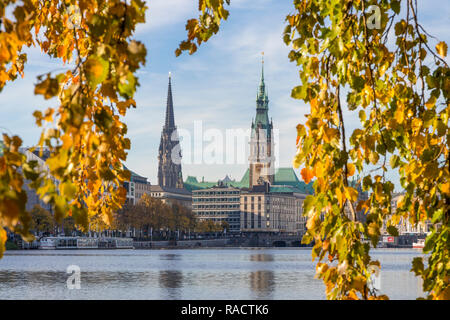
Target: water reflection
170,256
171,281
262,284
18,279
186,274
264,257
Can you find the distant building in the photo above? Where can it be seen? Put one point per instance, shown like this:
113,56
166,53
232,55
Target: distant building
270,199
261,159
136,187
361,215
220,203
172,195
266,208
40,156
169,171
170,178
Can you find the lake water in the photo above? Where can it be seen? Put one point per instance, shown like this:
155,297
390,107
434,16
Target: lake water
238,273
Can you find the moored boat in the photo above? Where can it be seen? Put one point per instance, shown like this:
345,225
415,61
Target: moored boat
419,244
64,243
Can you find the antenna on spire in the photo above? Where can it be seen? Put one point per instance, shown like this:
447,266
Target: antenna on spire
262,53
170,74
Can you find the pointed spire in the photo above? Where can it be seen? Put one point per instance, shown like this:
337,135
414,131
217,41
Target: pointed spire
262,92
262,67
170,119
262,85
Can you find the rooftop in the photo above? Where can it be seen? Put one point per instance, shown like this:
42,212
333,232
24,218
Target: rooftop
284,178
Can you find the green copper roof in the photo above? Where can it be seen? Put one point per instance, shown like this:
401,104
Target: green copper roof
287,176
262,108
284,189
286,180
246,178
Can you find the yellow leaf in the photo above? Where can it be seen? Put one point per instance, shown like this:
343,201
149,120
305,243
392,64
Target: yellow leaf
313,103
318,169
399,114
441,48
330,134
431,102
350,169
67,141
340,197
351,194
445,188
352,295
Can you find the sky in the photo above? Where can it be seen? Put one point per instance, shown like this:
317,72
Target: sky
215,87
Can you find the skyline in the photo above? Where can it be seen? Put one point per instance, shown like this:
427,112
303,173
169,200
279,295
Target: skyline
219,82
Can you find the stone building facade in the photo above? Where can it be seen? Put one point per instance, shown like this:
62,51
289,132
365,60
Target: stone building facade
219,204
276,209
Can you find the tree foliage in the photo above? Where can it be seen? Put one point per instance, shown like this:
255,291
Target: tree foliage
212,12
386,69
153,214
84,131
401,94
42,220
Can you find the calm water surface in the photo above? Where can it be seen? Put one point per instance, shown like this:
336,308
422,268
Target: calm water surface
262,273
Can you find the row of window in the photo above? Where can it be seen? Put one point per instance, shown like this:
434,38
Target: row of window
215,199
216,206
213,193
218,213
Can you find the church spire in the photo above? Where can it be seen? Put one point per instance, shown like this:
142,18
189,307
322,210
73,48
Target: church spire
169,158
262,86
170,119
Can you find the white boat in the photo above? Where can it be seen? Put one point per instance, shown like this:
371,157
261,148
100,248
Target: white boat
47,243
419,244
124,243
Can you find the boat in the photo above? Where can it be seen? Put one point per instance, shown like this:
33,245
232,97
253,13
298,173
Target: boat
47,243
65,243
419,244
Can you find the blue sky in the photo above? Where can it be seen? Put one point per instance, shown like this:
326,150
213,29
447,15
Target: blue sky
217,85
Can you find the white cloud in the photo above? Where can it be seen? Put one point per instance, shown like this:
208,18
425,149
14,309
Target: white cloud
163,13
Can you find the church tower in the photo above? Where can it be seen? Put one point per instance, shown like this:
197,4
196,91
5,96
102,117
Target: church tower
262,160
169,157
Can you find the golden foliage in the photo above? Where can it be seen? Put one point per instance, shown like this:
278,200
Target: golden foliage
84,132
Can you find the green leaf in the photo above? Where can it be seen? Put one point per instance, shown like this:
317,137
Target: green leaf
308,204
417,265
96,69
395,6
127,88
394,161
392,231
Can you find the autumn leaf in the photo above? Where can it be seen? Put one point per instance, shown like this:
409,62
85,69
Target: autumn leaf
96,70
307,174
441,48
